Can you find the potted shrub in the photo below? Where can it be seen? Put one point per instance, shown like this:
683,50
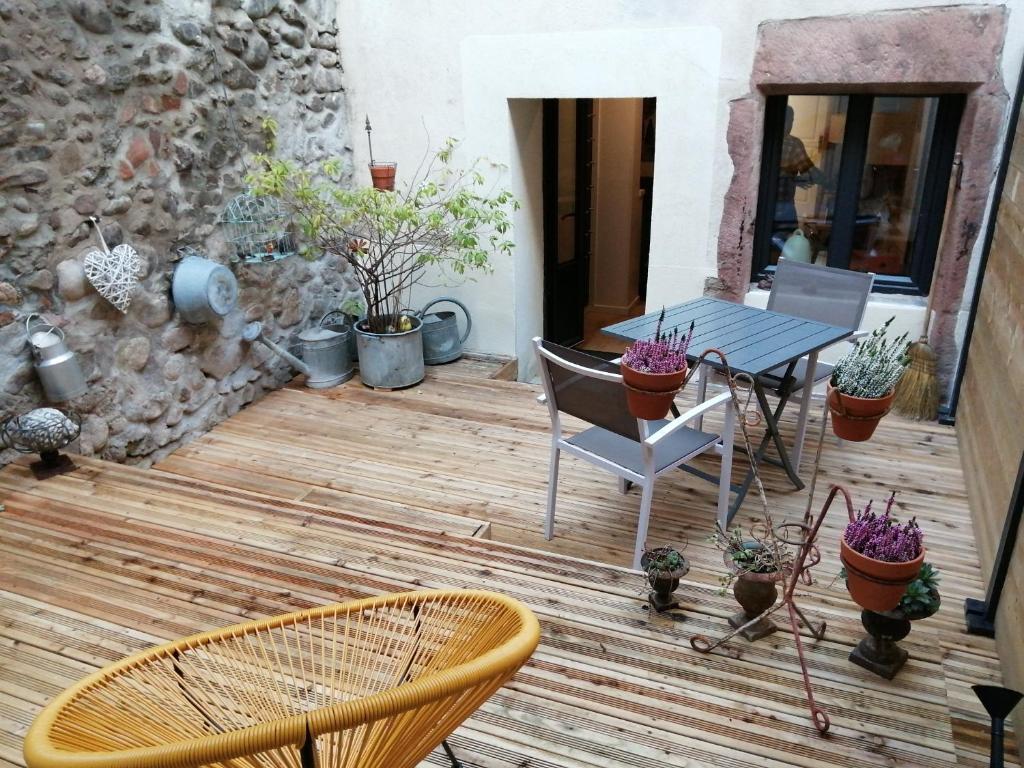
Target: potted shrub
664,567
654,370
922,599
442,223
881,557
754,569
863,384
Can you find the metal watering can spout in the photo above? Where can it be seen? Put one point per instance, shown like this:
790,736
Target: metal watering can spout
254,332
325,358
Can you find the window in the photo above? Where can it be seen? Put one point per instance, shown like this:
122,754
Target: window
865,180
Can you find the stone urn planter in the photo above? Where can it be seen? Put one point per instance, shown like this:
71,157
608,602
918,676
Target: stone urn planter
664,567
880,651
756,593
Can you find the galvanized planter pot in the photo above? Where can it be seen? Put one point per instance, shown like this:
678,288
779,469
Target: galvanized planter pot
391,360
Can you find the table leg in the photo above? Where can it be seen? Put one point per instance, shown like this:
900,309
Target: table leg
805,407
771,419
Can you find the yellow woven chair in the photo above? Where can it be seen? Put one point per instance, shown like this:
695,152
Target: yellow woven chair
372,683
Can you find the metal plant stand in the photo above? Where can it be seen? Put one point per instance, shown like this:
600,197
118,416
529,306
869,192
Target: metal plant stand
802,535
807,557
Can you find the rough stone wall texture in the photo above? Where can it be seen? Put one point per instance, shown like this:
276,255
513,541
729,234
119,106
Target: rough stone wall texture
114,108
920,51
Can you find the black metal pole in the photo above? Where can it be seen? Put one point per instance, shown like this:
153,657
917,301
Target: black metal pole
981,615
999,703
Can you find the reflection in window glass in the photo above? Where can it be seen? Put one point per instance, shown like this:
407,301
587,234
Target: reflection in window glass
812,144
892,184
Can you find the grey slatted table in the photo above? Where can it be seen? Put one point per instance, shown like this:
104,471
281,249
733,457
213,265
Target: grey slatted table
757,342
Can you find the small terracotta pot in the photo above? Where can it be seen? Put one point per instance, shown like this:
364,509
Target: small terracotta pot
383,175
650,395
855,418
875,584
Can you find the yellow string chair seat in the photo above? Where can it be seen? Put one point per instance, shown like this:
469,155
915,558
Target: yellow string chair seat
376,683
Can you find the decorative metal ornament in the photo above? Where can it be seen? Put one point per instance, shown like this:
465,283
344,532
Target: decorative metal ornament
44,431
113,273
203,290
258,228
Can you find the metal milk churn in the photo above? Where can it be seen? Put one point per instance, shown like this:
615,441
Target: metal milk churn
57,366
441,340
322,352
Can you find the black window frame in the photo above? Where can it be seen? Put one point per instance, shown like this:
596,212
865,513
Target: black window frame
927,226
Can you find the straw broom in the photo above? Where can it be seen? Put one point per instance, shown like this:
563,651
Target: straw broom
917,392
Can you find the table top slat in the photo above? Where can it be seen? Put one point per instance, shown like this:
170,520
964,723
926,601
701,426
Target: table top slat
754,340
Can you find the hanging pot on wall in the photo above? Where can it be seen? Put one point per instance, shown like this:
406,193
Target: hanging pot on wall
203,290
855,418
649,395
57,366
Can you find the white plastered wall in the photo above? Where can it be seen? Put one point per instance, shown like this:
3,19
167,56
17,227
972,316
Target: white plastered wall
475,68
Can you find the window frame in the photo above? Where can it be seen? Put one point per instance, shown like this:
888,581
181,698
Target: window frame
928,223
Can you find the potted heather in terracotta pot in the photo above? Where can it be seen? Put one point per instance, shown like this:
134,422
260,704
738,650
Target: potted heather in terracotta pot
654,370
863,384
881,557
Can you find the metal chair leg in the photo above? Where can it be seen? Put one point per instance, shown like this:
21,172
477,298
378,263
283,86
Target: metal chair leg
451,755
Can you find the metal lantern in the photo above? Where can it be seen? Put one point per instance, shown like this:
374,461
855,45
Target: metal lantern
44,431
258,228
57,366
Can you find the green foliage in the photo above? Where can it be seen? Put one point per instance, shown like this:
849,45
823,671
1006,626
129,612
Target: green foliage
873,366
922,596
664,559
757,554
269,127
442,219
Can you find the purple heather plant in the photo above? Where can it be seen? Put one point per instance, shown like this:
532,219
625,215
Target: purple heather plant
665,353
882,537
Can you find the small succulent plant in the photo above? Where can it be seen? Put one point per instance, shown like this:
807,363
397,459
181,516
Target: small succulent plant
922,596
881,537
665,353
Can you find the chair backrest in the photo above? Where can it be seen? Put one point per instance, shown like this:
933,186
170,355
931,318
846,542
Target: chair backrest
826,294
593,398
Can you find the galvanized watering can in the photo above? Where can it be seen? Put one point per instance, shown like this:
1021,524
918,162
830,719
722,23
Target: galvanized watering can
57,366
441,340
322,351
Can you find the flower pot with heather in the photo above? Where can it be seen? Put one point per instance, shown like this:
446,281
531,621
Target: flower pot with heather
863,384
881,556
654,370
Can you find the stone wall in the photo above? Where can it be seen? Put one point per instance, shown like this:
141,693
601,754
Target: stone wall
116,109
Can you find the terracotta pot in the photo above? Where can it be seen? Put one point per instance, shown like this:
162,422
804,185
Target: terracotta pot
875,584
383,175
650,395
855,418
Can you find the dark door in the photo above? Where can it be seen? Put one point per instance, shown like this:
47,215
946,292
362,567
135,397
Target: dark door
567,182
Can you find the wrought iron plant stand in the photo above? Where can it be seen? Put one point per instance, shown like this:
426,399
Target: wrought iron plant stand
801,535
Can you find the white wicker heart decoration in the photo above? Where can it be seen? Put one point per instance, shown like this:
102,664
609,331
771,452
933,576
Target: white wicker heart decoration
113,273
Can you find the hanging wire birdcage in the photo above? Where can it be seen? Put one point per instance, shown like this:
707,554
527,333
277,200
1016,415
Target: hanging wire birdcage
258,227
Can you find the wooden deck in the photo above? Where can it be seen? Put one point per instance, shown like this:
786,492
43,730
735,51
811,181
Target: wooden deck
312,497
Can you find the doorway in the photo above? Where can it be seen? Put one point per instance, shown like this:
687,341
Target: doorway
598,170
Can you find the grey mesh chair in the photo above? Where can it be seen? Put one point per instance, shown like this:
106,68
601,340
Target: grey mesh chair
635,450
828,295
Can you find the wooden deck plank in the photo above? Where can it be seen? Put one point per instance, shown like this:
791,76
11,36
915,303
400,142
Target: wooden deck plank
312,497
